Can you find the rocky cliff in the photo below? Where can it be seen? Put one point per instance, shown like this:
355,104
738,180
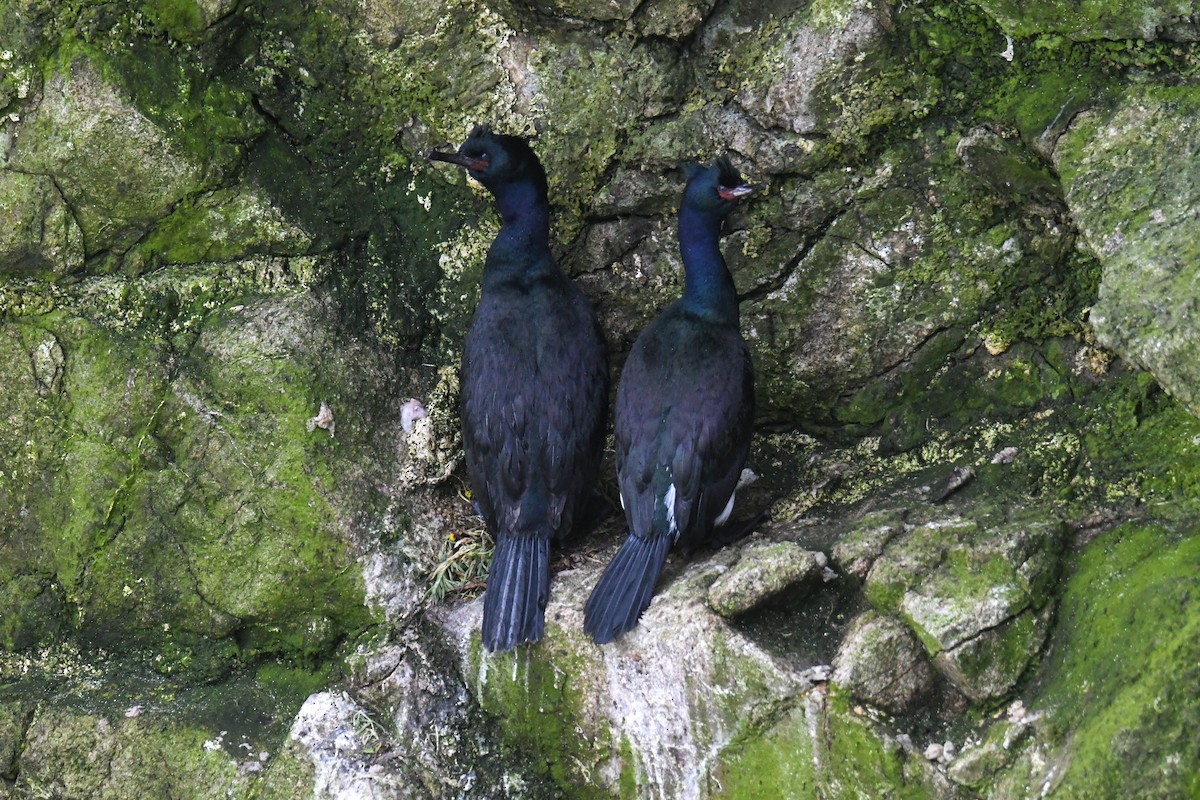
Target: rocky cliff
236,556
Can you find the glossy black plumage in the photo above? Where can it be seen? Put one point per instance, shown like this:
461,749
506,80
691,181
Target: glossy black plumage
685,405
534,390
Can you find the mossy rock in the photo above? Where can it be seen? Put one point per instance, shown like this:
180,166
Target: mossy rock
976,594
1085,20
825,747
117,170
885,296
39,233
242,554
880,662
1127,174
1119,689
111,731
636,717
65,749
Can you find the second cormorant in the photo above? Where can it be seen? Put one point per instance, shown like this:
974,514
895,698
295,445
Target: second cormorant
685,404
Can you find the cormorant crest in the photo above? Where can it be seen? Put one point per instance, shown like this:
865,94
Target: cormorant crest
727,174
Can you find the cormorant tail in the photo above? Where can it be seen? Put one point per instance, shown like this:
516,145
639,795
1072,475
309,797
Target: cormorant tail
626,587
518,587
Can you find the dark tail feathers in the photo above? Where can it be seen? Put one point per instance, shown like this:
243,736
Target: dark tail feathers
626,587
514,606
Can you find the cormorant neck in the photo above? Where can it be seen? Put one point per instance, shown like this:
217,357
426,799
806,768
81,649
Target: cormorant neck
708,286
524,214
521,250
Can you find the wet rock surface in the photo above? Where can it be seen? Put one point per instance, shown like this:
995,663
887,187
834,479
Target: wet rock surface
880,662
763,572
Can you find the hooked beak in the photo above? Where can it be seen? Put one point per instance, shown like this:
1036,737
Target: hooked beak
470,162
734,192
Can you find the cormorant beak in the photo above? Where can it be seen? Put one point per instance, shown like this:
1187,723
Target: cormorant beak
734,192
470,162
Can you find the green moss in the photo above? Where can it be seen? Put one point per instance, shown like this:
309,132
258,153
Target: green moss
596,85
1087,19
289,775
777,762
99,451
62,758
181,89
988,667
222,226
534,694
627,782
32,610
1137,444
103,728
910,385
179,19
265,91
1123,679
977,255
910,559
822,747
290,685
235,558
859,761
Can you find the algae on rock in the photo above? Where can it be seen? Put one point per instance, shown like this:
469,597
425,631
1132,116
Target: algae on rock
118,172
222,227
1130,177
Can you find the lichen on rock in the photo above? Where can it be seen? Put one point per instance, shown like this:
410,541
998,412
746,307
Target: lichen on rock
880,662
1128,175
40,234
227,267
116,170
954,581
764,571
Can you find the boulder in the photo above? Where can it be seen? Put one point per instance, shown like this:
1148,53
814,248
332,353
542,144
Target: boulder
1127,175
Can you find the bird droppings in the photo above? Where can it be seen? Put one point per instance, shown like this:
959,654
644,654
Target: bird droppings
323,420
410,412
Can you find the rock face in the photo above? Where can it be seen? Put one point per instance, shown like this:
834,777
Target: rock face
1126,175
763,573
232,298
1087,19
881,663
117,170
40,234
976,594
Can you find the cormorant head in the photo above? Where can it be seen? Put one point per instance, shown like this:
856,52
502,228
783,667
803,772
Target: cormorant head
714,189
496,159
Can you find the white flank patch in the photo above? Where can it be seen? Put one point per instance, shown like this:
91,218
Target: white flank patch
669,500
724,515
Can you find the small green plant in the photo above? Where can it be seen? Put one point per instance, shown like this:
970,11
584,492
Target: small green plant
462,564
369,732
